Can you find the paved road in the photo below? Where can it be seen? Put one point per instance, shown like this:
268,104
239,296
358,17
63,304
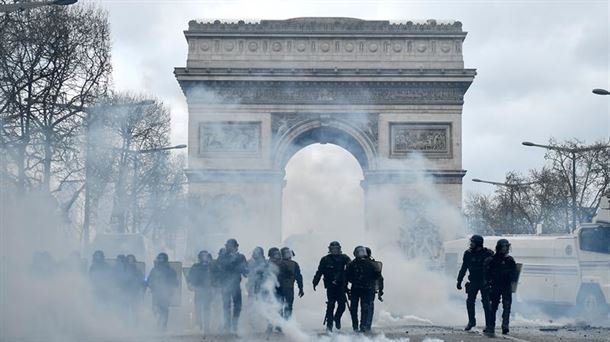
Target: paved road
416,334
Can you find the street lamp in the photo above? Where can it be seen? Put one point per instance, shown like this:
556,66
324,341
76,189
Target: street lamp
20,6
573,152
135,153
511,187
601,91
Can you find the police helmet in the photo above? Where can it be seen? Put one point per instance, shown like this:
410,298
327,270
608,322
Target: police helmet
131,258
477,240
360,252
98,255
258,252
121,259
231,243
502,243
162,257
286,253
203,255
273,252
334,244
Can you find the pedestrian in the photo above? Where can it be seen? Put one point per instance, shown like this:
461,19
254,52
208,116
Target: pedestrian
289,273
163,283
500,274
332,268
473,262
364,275
232,266
199,280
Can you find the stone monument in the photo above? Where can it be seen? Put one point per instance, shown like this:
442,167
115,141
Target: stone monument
259,92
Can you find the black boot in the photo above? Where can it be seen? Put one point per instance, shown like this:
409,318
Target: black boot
338,323
504,331
470,325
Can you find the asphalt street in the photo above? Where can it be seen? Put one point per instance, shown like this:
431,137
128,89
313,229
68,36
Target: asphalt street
414,334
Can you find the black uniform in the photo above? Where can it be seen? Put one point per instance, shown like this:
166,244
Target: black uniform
135,285
501,272
163,282
332,267
100,276
473,261
200,280
364,275
289,272
231,267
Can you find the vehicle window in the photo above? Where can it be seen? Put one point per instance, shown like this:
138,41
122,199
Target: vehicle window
595,239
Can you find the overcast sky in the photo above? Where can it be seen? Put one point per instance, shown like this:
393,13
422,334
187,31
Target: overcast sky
537,62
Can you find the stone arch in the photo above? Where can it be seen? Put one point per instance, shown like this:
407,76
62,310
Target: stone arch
352,138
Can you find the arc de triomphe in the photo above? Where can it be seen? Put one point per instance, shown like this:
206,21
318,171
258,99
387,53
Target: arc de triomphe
259,92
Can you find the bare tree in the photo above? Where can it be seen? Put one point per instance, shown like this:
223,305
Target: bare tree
547,198
54,62
145,179
592,170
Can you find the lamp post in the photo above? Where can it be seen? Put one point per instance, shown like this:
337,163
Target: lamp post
134,154
20,6
573,152
511,187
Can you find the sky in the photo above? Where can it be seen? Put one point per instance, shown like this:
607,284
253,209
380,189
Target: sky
536,61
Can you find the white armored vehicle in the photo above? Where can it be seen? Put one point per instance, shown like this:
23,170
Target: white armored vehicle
565,270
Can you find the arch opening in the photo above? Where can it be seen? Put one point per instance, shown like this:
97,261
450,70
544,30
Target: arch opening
323,198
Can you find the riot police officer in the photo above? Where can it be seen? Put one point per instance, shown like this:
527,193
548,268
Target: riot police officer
473,262
379,285
500,273
257,266
364,275
136,286
199,280
232,266
163,283
100,276
332,267
289,273
273,271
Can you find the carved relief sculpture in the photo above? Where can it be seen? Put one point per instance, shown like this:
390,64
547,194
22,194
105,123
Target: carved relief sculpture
430,139
229,137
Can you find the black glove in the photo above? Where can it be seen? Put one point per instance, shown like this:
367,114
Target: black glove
379,295
301,293
314,286
459,285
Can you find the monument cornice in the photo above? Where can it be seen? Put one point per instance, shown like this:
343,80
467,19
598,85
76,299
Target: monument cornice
325,27
325,92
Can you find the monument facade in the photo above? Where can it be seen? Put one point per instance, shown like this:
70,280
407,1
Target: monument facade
389,93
